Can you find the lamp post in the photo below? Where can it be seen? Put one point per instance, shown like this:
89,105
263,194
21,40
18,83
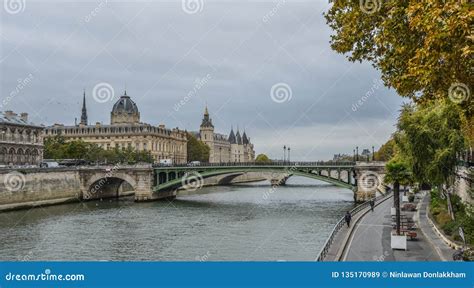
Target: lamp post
284,154
357,153
354,155
288,155
373,154
220,155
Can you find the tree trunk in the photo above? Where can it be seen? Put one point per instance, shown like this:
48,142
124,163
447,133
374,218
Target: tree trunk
396,199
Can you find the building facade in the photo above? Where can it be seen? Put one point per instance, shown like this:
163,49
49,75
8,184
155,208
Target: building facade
126,131
21,142
234,148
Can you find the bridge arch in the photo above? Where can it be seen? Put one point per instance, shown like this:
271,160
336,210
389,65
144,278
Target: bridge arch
109,186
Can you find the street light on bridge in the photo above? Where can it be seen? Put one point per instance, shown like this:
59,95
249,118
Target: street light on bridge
288,154
284,154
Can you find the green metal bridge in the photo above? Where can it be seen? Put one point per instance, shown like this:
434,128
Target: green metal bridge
342,174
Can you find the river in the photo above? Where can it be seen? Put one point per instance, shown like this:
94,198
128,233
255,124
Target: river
245,222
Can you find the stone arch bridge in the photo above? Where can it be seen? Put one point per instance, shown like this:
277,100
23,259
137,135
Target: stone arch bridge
151,183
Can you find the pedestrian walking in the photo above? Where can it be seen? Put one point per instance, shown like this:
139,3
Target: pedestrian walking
348,218
372,204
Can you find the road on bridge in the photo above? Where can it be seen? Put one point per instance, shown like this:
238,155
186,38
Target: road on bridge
371,240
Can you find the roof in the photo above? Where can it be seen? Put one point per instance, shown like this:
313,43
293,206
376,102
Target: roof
14,120
232,139
239,139
125,105
245,139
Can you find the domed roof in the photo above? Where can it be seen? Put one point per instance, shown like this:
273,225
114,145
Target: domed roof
125,105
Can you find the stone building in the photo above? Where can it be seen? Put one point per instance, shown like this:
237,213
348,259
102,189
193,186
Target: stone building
235,148
21,142
126,130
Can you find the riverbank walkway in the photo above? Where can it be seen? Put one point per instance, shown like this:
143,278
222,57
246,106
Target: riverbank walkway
370,240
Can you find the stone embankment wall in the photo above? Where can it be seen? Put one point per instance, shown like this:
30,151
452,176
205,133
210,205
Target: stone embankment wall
33,187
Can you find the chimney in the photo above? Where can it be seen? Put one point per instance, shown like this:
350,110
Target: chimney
24,117
162,126
9,114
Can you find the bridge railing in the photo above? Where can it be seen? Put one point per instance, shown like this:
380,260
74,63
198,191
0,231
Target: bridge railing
258,164
327,245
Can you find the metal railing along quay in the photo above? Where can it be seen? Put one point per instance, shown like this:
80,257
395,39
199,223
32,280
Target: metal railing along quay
327,245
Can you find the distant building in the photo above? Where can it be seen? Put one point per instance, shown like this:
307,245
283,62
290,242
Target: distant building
341,157
234,148
21,142
126,130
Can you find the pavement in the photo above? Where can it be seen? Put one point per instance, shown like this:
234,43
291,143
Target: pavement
370,239
444,251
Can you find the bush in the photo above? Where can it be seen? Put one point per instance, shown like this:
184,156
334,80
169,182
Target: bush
450,227
411,198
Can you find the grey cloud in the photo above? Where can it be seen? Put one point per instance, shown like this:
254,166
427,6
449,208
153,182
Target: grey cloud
158,51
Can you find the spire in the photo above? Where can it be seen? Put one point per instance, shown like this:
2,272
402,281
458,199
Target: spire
232,136
206,121
84,110
245,139
238,137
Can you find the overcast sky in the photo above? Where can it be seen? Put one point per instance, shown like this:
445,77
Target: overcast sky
173,57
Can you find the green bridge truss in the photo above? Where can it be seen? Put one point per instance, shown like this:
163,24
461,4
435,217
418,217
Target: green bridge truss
167,178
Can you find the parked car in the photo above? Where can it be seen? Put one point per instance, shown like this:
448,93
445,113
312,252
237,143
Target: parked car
49,164
194,163
166,162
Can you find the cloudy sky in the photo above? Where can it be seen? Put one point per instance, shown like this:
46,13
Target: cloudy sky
265,67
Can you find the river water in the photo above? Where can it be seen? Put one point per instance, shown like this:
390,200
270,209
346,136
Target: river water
242,222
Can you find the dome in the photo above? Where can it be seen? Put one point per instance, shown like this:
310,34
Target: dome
125,111
125,105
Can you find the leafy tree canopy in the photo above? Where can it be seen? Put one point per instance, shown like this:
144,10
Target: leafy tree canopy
429,139
197,150
262,158
423,48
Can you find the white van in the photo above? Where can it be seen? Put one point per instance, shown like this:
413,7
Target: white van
166,162
49,164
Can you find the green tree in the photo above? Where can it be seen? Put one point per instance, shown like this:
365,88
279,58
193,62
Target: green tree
421,48
429,138
386,151
197,150
396,173
262,158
